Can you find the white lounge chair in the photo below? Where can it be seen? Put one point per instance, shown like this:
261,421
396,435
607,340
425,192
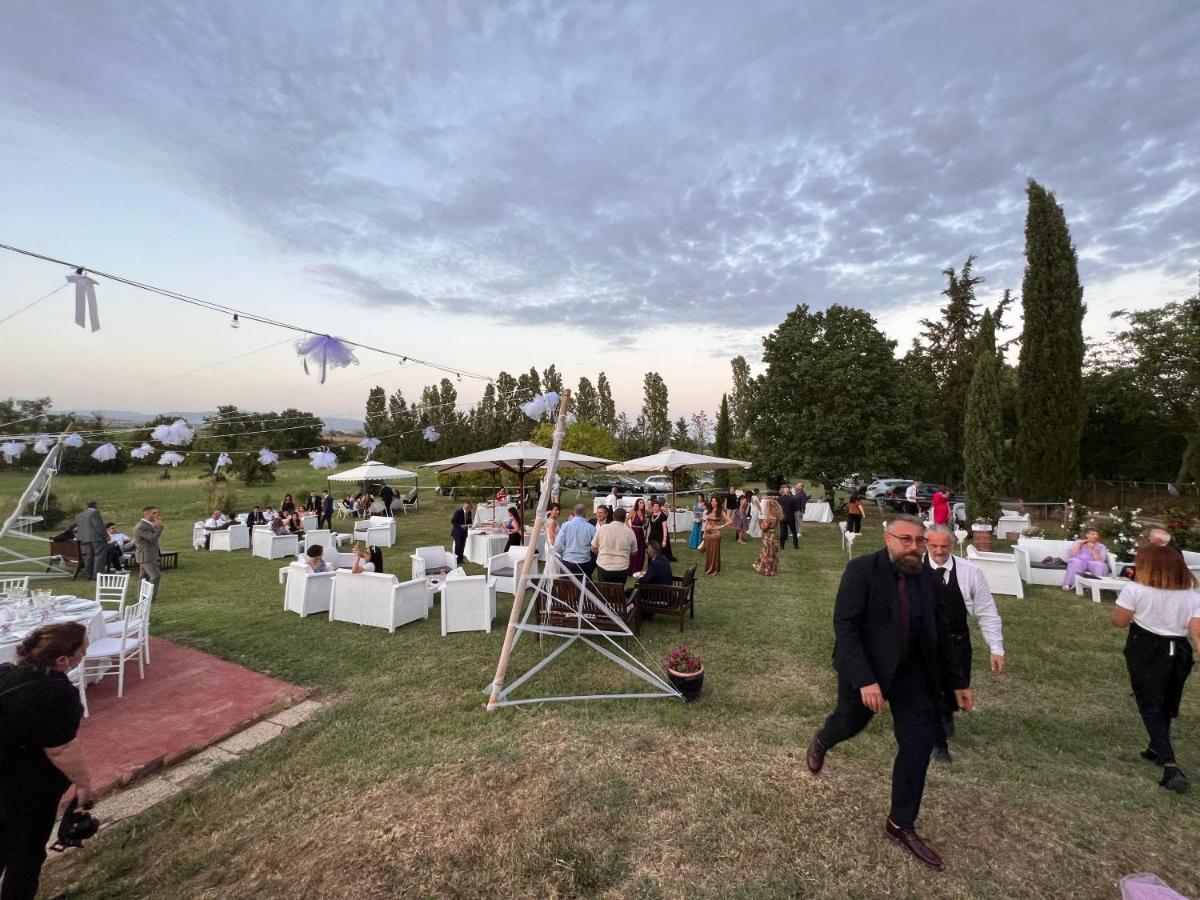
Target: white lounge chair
376,599
235,537
468,603
1000,570
432,561
307,592
265,544
505,568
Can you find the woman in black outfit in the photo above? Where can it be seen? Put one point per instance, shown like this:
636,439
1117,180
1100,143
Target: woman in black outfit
40,756
287,505
515,528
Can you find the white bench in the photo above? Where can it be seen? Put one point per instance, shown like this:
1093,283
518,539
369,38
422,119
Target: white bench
1030,552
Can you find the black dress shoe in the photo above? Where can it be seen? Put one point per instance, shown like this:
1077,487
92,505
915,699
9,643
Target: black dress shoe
911,841
942,755
815,756
1174,780
948,725
1149,755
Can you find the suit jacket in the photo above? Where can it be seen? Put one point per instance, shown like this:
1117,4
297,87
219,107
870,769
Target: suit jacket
145,542
312,504
658,571
254,518
91,527
386,494
866,624
328,504
801,501
787,504
459,524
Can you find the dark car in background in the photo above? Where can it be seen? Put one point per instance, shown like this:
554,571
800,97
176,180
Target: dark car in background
603,484
925,494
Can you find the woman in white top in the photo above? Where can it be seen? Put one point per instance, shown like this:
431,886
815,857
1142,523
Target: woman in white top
755,527
1161,610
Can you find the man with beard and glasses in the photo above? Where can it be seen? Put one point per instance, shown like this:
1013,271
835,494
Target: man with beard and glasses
890,647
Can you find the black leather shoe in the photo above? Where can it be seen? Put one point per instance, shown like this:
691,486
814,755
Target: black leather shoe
1174,780
815,757
942,755
948,725
911,841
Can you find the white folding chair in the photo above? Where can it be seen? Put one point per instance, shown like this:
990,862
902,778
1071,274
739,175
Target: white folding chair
111,653
17,584
110,590
116,628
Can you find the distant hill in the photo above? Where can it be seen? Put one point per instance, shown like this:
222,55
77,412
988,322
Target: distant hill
132,417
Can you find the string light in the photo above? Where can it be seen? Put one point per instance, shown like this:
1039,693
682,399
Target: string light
235,323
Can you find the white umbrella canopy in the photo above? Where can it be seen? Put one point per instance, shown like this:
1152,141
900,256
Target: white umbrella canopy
518,458
674,461
373,470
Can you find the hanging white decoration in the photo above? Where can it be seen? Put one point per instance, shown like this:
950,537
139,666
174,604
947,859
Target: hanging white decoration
170,458
105,453
222,461
142,452
431,434
323,459
177,434
267,458
369,444
541,405
43,444
324,351
570,419
74,439
12,450
85,300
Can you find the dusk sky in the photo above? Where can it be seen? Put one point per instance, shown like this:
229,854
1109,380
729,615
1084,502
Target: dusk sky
617,186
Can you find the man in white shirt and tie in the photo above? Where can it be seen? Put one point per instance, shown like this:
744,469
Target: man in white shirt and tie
962,590
911,505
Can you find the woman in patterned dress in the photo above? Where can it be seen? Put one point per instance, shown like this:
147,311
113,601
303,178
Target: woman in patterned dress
741,518
768,558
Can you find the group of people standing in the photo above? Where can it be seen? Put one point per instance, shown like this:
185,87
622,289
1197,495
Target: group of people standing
748,513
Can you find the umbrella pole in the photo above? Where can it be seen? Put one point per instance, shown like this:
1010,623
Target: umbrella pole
514,615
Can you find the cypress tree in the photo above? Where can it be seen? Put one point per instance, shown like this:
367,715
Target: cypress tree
983,429
1050,407
722,441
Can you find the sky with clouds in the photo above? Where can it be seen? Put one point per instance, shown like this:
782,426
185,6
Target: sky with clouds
617,186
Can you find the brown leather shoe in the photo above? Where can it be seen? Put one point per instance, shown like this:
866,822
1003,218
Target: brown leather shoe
911,841
815,757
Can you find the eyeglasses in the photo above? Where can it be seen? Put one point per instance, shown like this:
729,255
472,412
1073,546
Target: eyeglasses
908,540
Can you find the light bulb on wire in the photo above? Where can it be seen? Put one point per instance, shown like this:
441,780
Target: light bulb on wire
235,323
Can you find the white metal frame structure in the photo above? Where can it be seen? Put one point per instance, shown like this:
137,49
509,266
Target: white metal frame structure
20,523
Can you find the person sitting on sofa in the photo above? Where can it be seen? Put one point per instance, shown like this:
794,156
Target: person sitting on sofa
1087,556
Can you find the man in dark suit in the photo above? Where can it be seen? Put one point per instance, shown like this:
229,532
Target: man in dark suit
890,647
254,517
658,569
787,504
326,512
387,495
801,499
459,523
313,503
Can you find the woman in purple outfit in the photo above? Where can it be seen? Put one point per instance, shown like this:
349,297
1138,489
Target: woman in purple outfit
1087,557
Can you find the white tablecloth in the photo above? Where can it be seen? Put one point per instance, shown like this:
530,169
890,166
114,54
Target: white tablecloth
482,546
681,520
817,511
484,512
92,617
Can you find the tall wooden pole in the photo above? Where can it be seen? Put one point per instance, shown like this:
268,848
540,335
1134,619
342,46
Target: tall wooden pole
530,552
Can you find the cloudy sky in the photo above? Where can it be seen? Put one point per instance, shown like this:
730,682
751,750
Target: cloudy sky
626,186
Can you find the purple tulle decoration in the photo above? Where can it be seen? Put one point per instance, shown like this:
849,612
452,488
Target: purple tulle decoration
12,450
177,434
142,452
74,439
222,461
105,453
43,444
431,434
323,459
324,351
170,458
267,458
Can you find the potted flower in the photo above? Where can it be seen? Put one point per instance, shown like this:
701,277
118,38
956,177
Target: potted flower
981,534
686,672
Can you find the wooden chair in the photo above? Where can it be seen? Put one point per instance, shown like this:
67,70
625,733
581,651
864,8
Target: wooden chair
565,611
68,552
669,599
622,607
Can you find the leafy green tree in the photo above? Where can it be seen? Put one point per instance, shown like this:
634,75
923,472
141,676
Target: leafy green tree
983,458
552,380
741,400
830,402
723,440
654,421
580,437
701,429
1050,408
681,438
587,402
606,410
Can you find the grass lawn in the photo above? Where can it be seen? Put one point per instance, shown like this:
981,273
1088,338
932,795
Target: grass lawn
404,787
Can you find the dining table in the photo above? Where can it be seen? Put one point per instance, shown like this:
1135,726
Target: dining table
20,615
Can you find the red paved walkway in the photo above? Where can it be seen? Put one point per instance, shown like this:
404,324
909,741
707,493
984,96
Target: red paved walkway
188,701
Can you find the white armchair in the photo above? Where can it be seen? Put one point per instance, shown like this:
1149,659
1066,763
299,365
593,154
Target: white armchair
321,536
235,537
1011,522
1000,570
309,522
377,531
468,604
266,544
307,592
432,561
198,536
505,568
378,600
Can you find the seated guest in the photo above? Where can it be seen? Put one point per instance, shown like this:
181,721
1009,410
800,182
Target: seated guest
362,559
1087,556
287,505
279,525
315,562
215,522
254,517
295,525
614,544
269,514
114,551
658,568
348,503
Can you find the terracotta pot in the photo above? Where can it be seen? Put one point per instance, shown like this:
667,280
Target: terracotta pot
687,683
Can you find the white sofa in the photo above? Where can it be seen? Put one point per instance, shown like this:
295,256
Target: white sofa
376,599
1031,552
307,592
999,569
377,531
432,560
468,603
268,545
235,537
505,568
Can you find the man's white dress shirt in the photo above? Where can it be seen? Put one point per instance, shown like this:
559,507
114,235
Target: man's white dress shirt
977,597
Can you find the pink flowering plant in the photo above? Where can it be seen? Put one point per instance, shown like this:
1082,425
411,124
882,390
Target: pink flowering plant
683,660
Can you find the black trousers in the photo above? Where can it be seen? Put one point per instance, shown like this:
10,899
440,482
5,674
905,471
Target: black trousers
612,577
581,568
1158,668
915,722
854,522
787,522
460,545
325,520
962,654
25,826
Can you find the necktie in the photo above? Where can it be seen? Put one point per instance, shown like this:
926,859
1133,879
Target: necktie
905,608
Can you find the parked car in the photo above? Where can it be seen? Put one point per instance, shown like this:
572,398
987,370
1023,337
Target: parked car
603,484
884,487
925,494
659,483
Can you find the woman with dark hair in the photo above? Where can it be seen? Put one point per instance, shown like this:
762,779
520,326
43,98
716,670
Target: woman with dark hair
515,527
854,514
696,538
40,756
640,523
1161,609
717,519
287,505
741,518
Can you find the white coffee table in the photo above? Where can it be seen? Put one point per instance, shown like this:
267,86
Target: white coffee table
1096,585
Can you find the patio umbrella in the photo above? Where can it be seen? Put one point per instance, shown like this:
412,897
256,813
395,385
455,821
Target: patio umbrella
373,471
518,458
672,462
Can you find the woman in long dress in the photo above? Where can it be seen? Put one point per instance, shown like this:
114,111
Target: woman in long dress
754,529
768,557
741,518
716,520
640,523
697,535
